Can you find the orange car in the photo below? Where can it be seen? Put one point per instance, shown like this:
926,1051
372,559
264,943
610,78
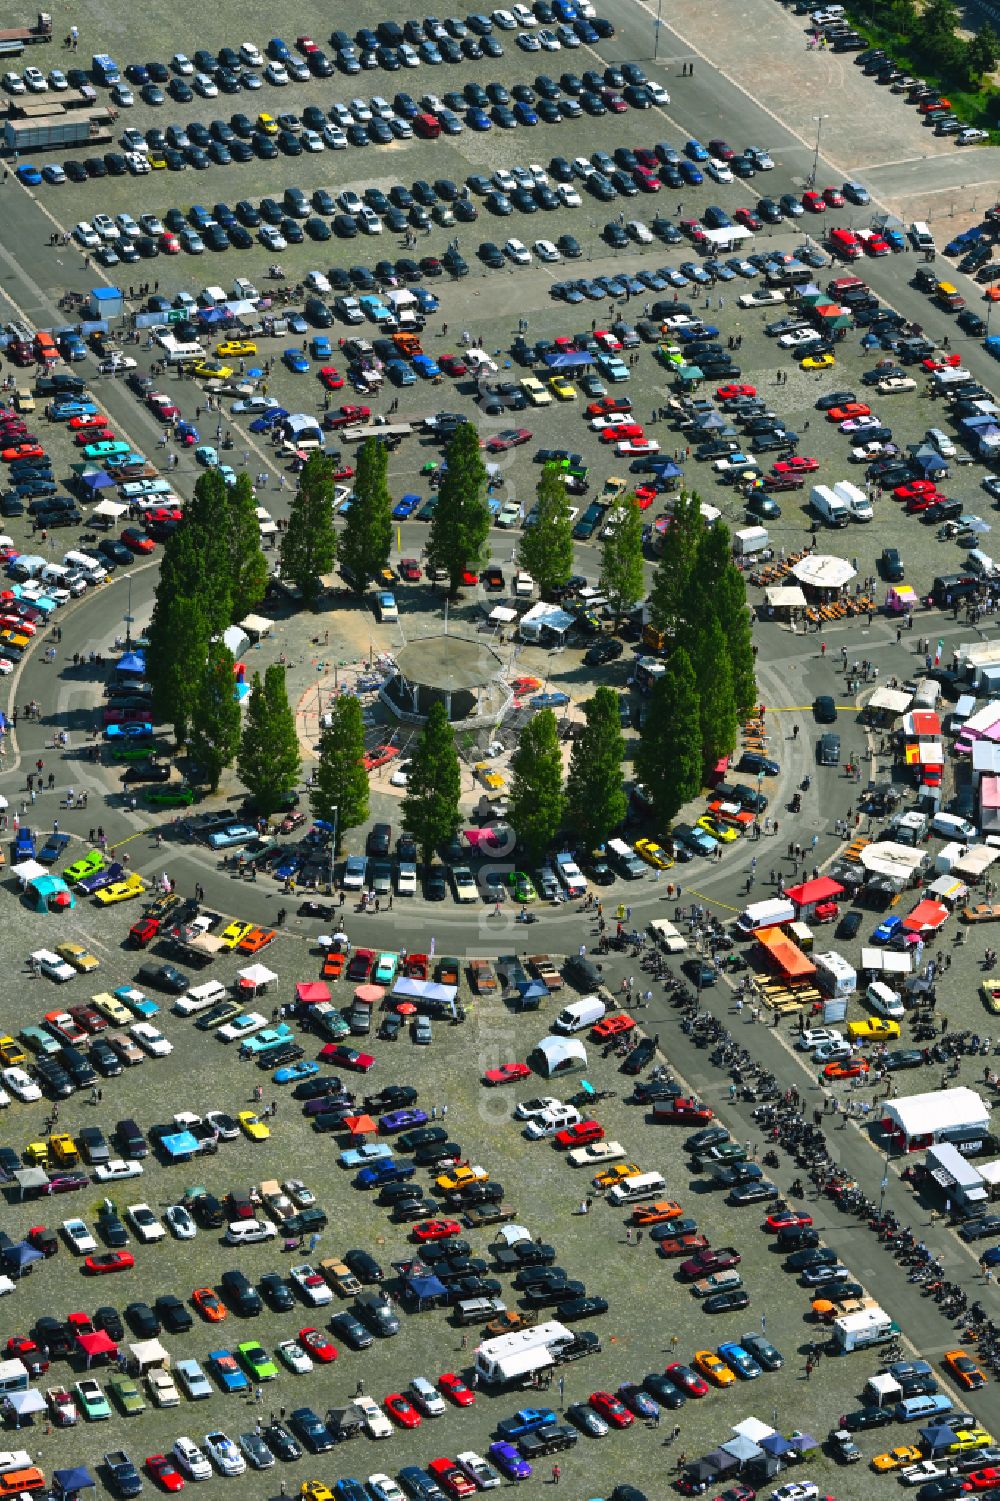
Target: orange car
612,1026
655,1213
846,1068
209,1304
961,1365
710,1366
255,940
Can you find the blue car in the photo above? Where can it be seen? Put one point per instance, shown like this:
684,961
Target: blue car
293,1072
508,1461
886,929
550,700
426,367
991,1257
267,419
690,174
405,507
478,119
140,731
374,1151
380,1173
30,176
101,878
228,1374
426,300
524,114
741,1361
63,412
525,1420
319,347
24,845
187,430
53,848
295,361
695,150
288,866
400,374
236,833
350,1489
135,1000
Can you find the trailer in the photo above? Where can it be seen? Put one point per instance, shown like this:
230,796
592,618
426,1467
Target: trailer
14,39
542,966
483,976
53,131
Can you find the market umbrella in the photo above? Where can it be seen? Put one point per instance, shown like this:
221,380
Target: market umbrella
360,1125
369,995
62,899
406,1008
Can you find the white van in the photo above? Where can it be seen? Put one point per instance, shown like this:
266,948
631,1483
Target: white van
580,1014
200,998
884,1001
28,566
639,1186
770,914
78,562
950,826
921,237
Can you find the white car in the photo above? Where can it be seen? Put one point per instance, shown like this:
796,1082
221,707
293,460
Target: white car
151,1039
474,1465
567,195
222,1121
161,1388
529,1110
549,40
895,385
596,1151
277,74
191,1459
406,878
884,1006
376,1423
426,1397
117,362
611,419
14,83
718,171
58,80
19,1084
50,964
505,20
362,112
127,226
298,1192
942,442
271,238
35,80
640,233
656,92
505,181
250,54
334,137
796,1490
81,1241
833,1052
122,95
311,141
546,251
763,297
548,1124
151,225
383,1488
241,1232
180,1222
815,1037
927,1469
242,1026
295,1358
314,1288
401,776
144,1222
524,16
970,136
799,338
116,1169
369,221
224,1454
182,64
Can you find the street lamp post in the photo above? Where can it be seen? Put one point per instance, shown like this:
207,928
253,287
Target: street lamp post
656,30
815,166
333,845
129,616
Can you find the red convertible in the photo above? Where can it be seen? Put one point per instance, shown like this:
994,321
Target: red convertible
315,1343
402,1410
797,464
787,1219
507,1073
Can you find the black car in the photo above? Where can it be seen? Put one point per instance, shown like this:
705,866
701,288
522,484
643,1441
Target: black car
583,1306
364,1266
142,1320
241,1294
639,1056
281,1442
351,1331
172,1314
311,1429
868,1417
110,1228
727,1302
163,977
277,1292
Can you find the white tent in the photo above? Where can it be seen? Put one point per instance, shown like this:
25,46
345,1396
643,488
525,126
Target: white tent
898,862
28,871
543,617
559,1055
235,639
823,571
785,597
109,510
892,700
753,1429
256,976
147,1353
923,1118
255,625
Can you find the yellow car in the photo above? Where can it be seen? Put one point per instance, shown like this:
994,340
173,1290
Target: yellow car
111,1007
817,362
536,392
609,1176
122,891
970,1438
872,1029
212,370
36,1154
267,123
234,348
712,1368
721,831
894,1459
234,933
460,1177
653,854
561,387
11,1053
64,1149
316,1490
156,159
253,1125
23,400
82,960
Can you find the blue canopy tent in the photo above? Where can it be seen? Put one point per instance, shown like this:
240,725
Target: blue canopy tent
776,1445
132,664
741,1448
425,1290
71,1482
938,1437
557,359
532,990
21,1257
181,1146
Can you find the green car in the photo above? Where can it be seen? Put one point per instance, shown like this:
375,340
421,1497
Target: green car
127,1395
92,1399
178,795
87,865
105,450
136,750
522,886
385,968
257,1361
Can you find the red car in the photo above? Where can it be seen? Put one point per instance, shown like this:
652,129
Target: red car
337,1052
454,1387
165,1472
580,1134
686,1380
109,1261
612,1026
409,569
451,364
833,197
510,437
703,1263
646,181
985,1479
846,1068
162,406
734,392
144,931
89,419
507,1073
647,157
138,541
748,219
797,464
682,1110
788,1219
849,410
918,503
609,404
169,243
402,1410
915,487
615,103
447,1473
315,1343
436,1230
331,377
645,495
814,202
20,1347
470,578
622,432
611,1409
941,361
24,451
681,1245
347,416
90,1020
102,434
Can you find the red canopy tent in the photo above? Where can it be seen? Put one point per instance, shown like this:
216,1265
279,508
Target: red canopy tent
97,1344
311,992
361,1125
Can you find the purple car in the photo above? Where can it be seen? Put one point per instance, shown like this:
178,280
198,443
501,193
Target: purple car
507,1459
101,878
401,1120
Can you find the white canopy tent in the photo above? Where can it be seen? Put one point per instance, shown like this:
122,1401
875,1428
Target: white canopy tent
109,510
820,570
255,625
28,871
147,1353
890,700
896,862
922,1118
785,597
559,1055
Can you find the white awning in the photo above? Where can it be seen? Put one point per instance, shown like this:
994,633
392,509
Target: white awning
898,862
785,597
257,974
255,625
503,615
893,700
111,509
823,571
887,961
976,862
944,1110
28,870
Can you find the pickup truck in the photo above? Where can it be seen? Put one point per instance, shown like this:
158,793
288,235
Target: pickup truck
483,976
542,966
279,1206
